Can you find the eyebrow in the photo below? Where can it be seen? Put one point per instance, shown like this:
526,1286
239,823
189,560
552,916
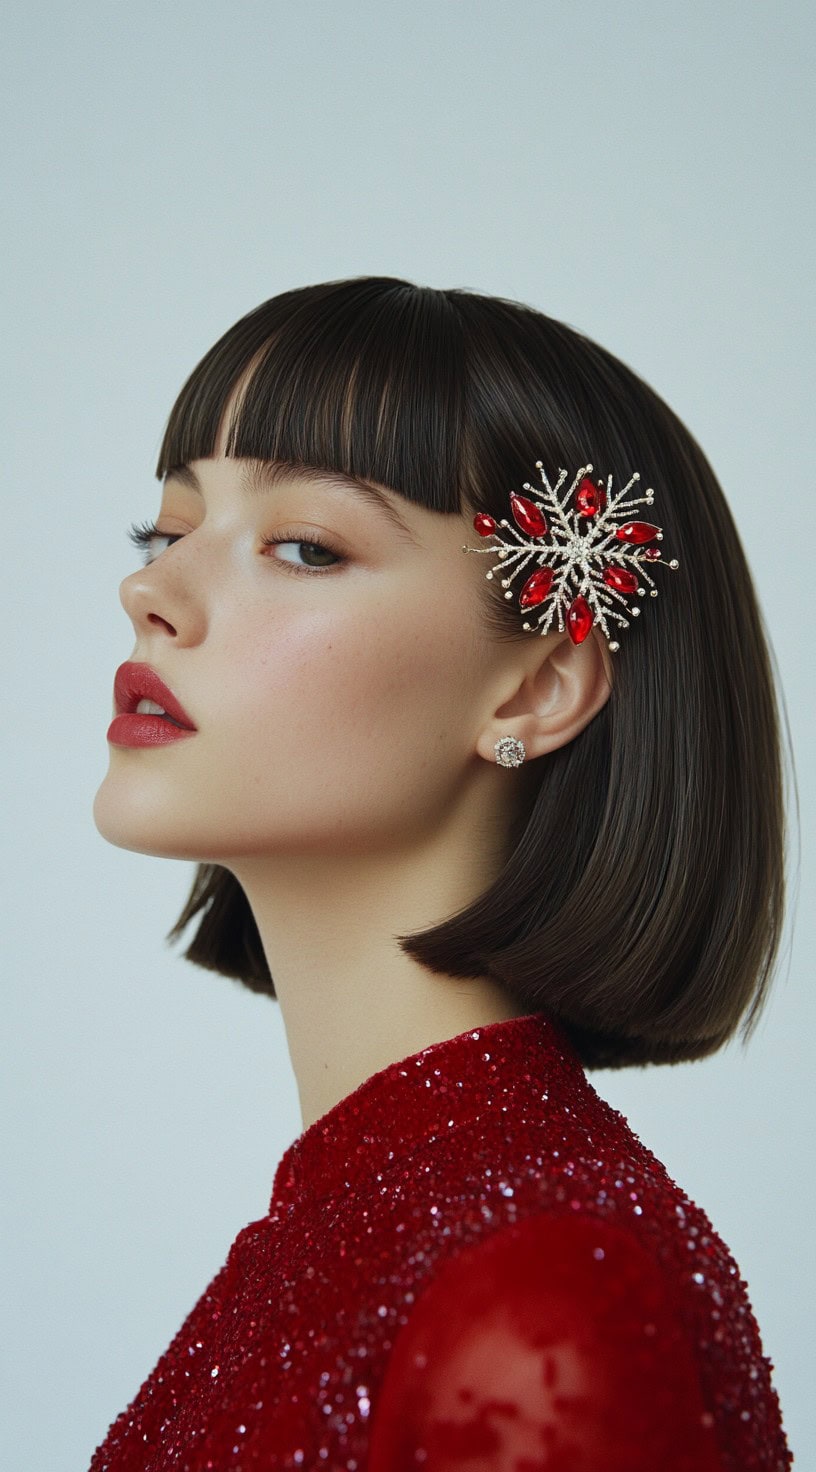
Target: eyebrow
259,478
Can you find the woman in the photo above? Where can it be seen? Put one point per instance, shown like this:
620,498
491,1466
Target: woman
479,823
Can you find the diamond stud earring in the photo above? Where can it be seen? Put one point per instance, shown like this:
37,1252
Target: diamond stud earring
509,751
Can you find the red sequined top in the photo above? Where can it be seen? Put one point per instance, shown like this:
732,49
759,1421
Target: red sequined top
469,1264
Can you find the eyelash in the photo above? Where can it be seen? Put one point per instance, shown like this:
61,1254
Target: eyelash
142,536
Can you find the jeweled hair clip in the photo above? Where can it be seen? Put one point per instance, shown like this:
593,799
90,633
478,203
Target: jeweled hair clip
585,546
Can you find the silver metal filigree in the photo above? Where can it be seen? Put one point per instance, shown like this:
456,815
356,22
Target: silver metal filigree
580,546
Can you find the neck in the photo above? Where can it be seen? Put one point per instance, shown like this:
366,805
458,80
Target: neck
352,1001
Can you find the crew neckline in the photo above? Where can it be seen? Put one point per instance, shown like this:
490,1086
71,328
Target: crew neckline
418,1098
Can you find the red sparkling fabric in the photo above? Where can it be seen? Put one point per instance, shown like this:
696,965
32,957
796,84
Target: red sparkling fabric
469,1264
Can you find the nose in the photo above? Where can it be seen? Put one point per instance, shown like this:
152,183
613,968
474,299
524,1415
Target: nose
143,599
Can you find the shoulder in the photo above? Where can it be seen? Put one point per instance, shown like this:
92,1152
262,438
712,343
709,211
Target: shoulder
557,1335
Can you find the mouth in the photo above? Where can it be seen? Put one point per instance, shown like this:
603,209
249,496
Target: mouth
139,689
150,708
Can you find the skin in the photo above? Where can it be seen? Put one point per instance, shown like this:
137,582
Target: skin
343,767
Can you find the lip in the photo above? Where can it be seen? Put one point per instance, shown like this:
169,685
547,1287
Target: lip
135,681
145,730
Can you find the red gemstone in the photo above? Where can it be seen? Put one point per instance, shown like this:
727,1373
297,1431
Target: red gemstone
536,588
637,531
652,553
589,498
620,578
579,619
484,524
528,515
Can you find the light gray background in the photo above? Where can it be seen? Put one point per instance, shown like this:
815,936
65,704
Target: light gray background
640,172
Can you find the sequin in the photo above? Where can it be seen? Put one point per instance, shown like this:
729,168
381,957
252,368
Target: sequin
483,1188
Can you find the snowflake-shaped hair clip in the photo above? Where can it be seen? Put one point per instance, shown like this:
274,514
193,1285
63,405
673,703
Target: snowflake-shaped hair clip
576,553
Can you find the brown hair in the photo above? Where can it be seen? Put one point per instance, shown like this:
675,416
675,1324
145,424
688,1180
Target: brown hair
642,901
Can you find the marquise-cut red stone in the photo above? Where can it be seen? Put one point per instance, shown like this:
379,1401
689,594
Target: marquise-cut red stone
528,515
580,619
484,524
536,588
620,578
589,498
637,531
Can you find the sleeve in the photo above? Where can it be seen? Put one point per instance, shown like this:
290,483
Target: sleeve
553,1346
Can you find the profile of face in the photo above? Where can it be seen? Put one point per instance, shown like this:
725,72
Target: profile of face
336,677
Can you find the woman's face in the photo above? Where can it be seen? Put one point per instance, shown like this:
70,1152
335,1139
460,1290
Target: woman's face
335,709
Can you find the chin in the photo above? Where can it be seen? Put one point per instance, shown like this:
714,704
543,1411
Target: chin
121,818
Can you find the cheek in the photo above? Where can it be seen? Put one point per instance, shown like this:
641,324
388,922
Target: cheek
365,688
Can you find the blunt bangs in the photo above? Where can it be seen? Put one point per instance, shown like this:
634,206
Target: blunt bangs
365,378
641,903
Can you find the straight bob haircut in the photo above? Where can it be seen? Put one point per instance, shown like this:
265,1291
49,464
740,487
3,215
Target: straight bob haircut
641,903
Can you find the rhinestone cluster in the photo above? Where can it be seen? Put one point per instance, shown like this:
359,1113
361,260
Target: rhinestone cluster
582,573
509,751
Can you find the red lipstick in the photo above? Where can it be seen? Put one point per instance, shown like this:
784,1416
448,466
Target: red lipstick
133,683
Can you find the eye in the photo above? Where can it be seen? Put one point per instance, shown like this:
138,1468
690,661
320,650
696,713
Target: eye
289,538
143,536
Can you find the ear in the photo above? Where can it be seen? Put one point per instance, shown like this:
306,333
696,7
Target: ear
556,692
